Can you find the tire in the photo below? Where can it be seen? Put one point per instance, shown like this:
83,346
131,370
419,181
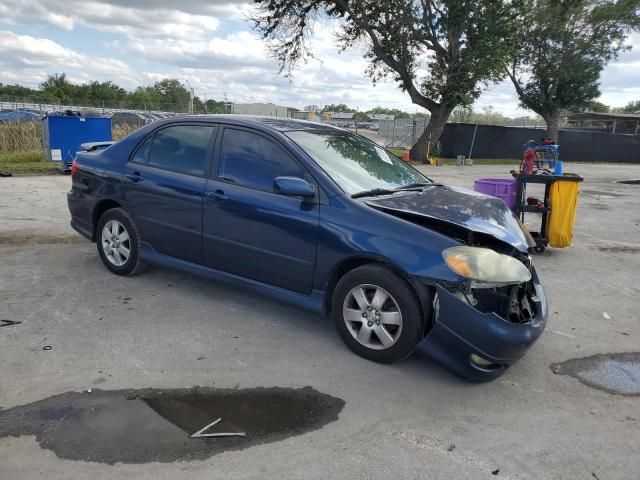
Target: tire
393,326
128,239
539,249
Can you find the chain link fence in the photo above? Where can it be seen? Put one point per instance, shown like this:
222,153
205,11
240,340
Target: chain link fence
401,132
43,106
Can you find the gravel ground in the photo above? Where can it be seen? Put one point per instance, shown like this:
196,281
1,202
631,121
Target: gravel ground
164,329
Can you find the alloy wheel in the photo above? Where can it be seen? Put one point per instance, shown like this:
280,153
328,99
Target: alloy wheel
116,243
372,316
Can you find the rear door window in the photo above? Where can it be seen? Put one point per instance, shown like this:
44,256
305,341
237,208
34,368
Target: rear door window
251,160
182,148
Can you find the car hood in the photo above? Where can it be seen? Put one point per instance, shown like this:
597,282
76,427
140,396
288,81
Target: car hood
458,206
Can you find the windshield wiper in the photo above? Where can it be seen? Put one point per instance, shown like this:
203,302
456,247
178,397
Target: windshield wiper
385,191
418,185
373,192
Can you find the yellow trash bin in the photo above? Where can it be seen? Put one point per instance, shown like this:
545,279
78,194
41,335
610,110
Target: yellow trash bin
563,199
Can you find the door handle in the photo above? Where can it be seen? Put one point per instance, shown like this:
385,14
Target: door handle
218,195
135,177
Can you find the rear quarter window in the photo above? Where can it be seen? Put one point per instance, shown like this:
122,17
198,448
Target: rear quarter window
179,148
141,154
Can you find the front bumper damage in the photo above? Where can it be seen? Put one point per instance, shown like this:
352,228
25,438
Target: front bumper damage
461,332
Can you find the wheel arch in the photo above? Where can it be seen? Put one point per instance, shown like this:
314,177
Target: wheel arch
424,293
99,210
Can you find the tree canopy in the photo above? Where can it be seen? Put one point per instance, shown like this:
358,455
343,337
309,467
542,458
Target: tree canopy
562,47
631,107
164,95
440,52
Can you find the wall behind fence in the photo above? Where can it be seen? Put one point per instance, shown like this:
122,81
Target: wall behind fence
506,142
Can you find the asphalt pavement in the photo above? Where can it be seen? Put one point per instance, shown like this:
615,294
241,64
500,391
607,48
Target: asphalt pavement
69,326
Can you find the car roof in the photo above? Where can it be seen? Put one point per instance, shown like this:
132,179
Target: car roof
280,124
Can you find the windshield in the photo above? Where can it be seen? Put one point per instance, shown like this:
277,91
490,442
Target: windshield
355,163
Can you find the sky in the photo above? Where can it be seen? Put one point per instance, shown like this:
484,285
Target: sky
211,45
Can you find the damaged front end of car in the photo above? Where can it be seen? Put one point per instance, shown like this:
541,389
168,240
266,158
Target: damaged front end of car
485,321
478,331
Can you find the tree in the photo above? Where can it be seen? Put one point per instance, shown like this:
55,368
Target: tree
462,43
143,98
462,115
595,106
360,117
214,106
56,88
18,92
631,107
562,46
171,94
341,107
312,108
105,93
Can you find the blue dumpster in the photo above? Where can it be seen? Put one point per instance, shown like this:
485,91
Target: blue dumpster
63,134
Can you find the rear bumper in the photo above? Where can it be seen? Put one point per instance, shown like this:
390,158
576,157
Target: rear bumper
81,208
460,331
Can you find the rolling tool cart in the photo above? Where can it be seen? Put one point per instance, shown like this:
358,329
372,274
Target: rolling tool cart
558,209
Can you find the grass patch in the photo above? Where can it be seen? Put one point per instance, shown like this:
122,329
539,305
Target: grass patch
33,168
31,162
31,156
398,152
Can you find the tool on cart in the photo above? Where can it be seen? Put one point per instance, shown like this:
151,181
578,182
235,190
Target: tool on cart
558,208
537,155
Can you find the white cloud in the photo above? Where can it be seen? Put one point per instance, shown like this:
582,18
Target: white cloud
205,43
237,50
23,57
166,18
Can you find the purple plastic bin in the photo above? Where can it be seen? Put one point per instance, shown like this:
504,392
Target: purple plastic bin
503,188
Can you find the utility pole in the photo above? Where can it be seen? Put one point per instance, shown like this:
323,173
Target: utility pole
356,118
191,97
226,103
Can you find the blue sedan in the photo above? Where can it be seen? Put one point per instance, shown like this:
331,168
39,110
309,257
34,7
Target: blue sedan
321,218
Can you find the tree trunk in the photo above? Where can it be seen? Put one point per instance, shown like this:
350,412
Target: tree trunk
431,135
553,124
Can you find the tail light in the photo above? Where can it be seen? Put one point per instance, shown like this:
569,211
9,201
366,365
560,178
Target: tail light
74,168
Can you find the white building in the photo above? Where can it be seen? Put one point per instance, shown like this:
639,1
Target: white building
307,115
338,118
263,109
376,117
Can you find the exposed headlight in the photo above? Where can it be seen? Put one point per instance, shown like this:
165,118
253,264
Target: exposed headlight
486,267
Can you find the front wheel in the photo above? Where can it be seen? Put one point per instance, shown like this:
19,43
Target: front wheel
118,242
377,314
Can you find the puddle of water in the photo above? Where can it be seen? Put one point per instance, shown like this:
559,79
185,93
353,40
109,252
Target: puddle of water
613,373
139,426
632,181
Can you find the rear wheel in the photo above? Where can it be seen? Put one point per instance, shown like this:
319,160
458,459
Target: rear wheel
377,314
118,242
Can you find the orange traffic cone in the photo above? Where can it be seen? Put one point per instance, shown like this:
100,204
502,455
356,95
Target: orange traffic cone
406,156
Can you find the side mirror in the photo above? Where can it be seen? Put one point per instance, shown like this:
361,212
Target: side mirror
293,186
